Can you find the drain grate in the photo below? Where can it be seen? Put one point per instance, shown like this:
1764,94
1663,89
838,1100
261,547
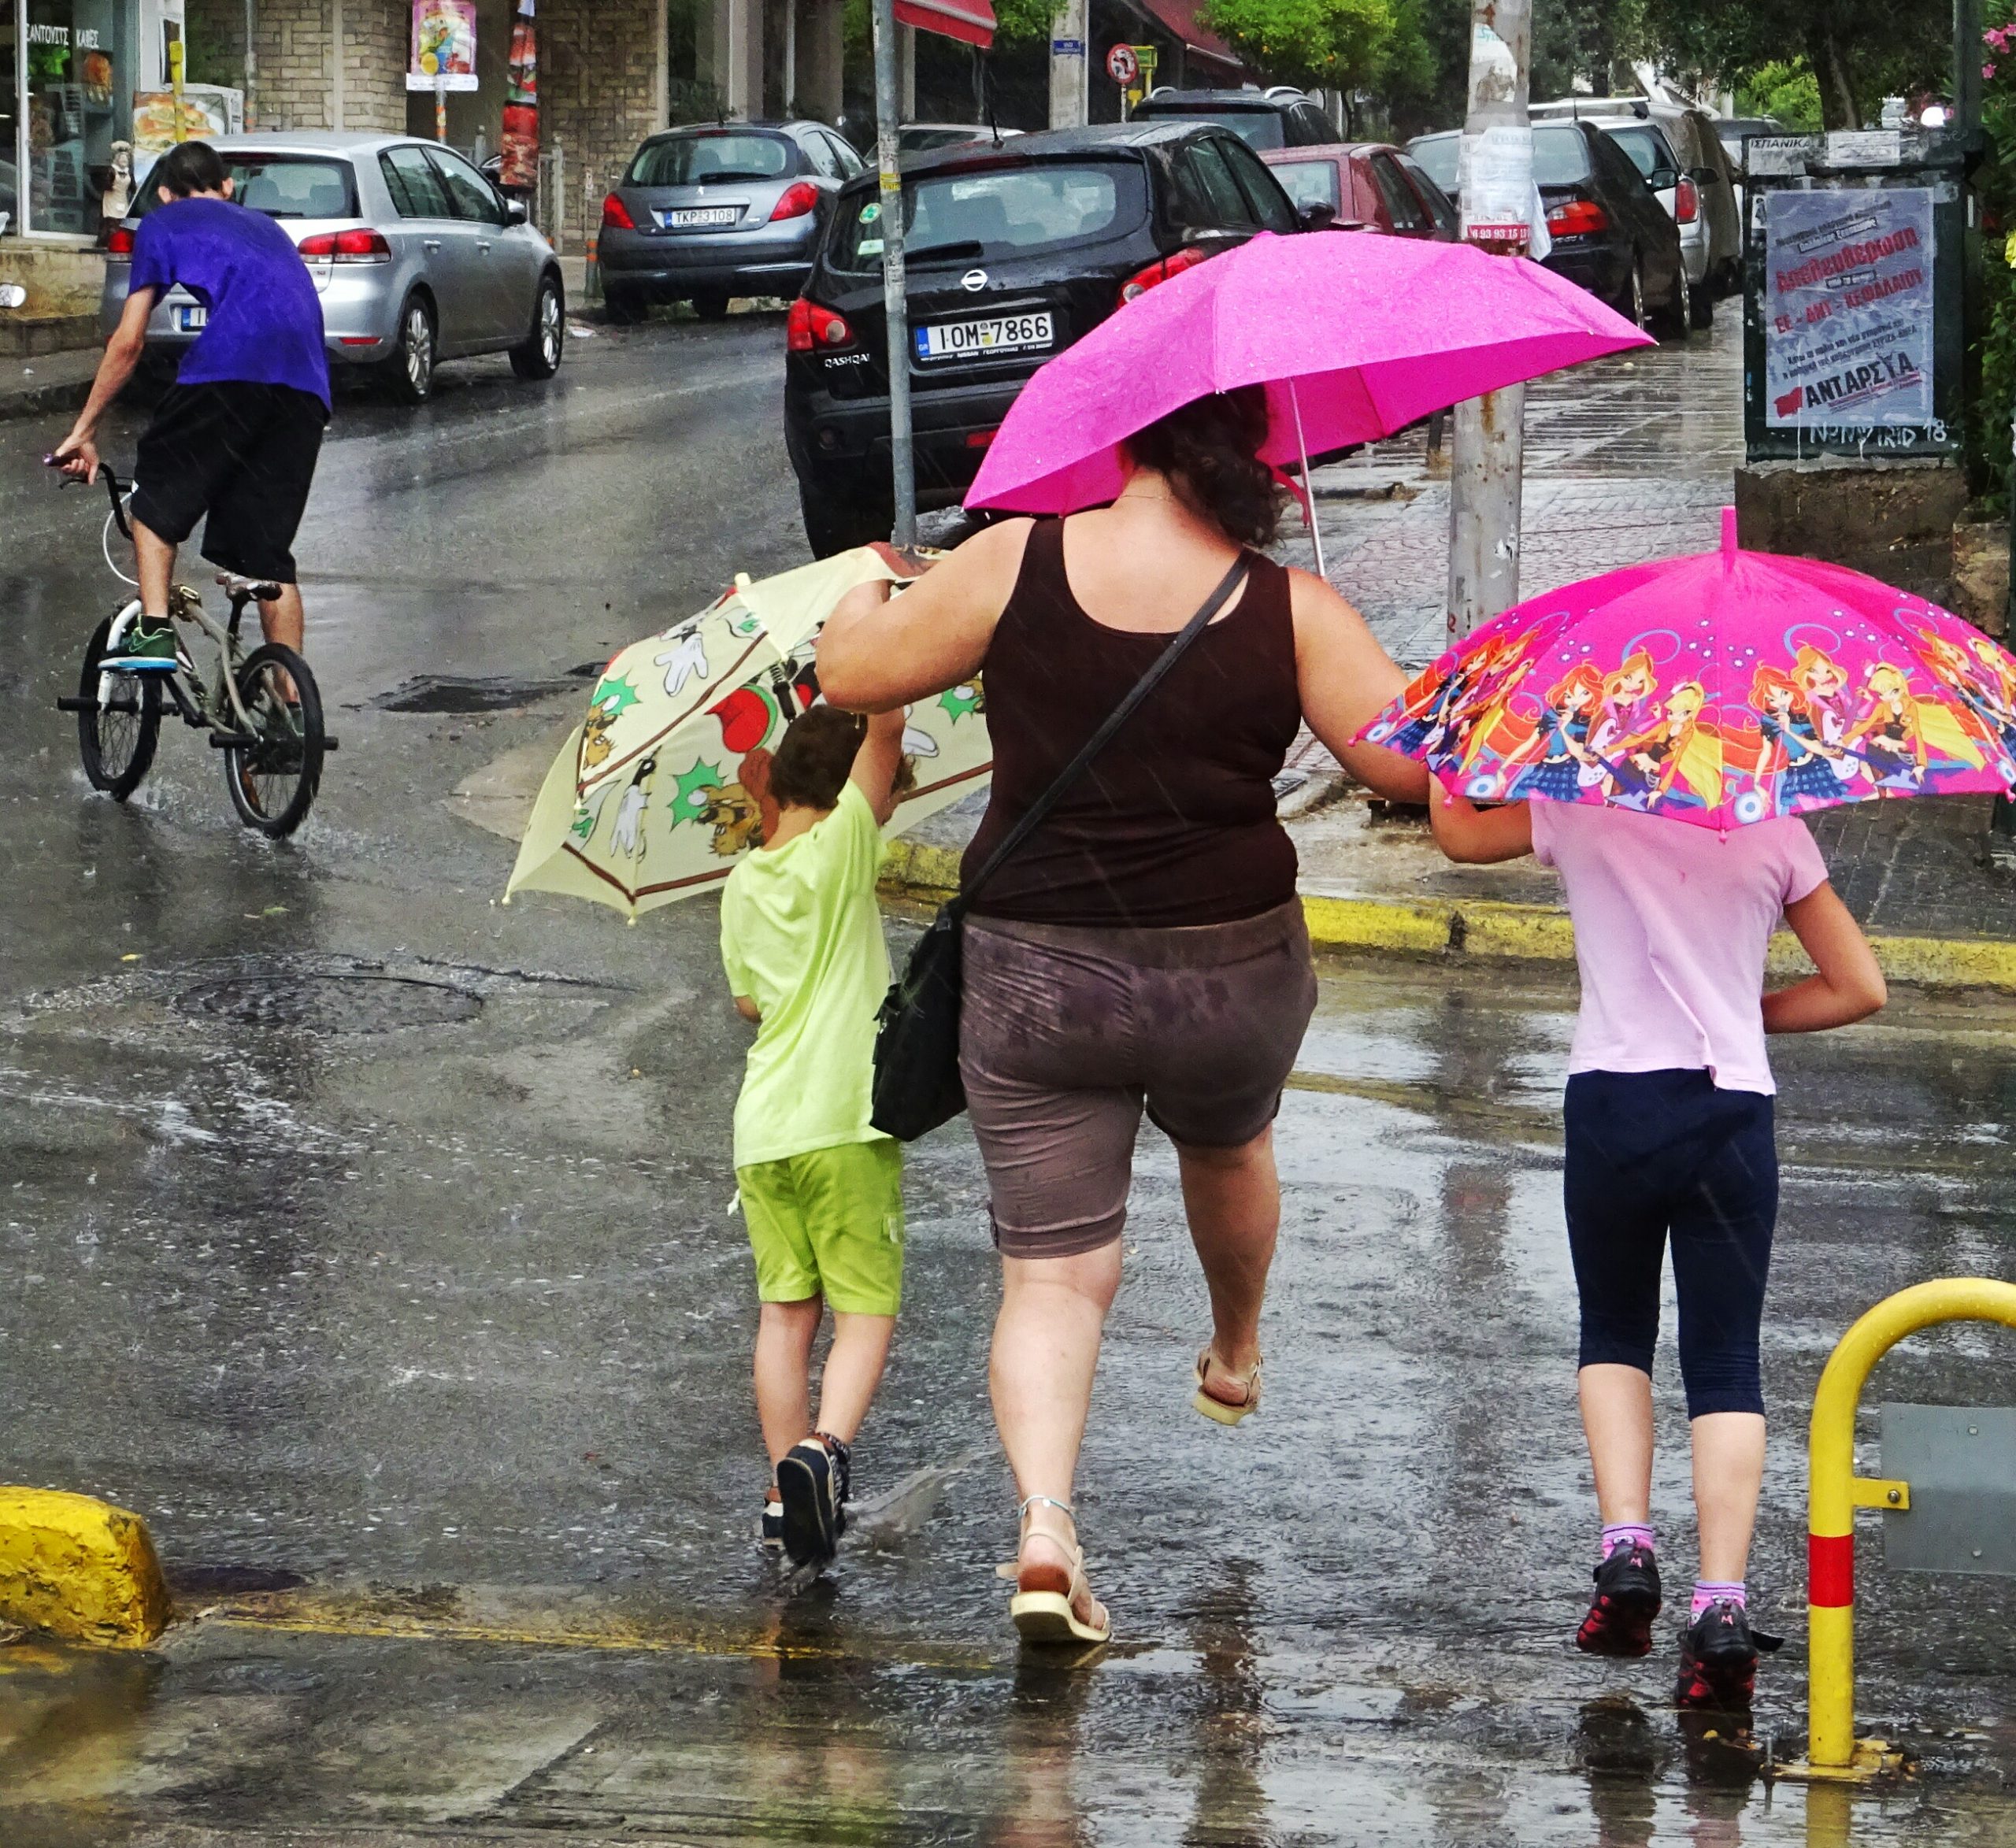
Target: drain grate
330,1004
459,694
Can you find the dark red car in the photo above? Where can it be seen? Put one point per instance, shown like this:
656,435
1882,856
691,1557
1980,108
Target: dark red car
1370,185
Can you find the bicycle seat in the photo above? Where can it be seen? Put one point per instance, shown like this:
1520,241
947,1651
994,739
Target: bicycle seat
256,588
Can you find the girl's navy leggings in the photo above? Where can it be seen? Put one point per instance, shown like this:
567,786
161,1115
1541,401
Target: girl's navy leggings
1655,1154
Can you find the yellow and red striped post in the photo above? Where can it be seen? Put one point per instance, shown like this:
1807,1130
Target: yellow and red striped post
1835,1492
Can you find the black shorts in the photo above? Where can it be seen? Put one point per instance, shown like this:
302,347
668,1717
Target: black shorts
243,453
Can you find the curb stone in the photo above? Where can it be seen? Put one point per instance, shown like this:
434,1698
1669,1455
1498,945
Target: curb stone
1494,930
79,1568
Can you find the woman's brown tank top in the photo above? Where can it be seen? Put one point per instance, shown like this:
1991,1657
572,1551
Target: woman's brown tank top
1174,822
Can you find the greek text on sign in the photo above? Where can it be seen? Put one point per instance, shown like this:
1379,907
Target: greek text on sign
1865,147
1496,184
1777,157
1067,48
1847,308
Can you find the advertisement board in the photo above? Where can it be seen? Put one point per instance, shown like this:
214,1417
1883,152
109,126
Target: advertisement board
1847,311
442,54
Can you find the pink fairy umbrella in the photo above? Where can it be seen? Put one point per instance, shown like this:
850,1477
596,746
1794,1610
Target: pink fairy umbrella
1354,336
1721,688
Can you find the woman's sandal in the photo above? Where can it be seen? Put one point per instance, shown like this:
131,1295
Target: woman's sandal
1046,1604
1223,1411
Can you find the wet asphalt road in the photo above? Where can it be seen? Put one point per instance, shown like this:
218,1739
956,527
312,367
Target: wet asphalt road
446,1317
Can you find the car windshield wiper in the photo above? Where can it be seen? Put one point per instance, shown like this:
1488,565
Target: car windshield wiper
959,247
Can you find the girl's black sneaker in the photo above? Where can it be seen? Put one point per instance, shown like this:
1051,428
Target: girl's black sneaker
815,1480
1619,1619
773,1531
1718,1655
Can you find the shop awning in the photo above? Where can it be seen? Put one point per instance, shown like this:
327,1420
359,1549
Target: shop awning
969,20
1179,18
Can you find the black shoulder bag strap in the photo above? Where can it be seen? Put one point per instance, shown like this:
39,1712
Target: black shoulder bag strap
1038,811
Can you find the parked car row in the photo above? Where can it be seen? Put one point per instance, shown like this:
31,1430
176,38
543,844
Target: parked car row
416,257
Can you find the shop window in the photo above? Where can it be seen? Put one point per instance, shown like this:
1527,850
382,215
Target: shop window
70,63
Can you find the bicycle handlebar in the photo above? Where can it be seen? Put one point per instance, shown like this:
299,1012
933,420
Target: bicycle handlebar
118,490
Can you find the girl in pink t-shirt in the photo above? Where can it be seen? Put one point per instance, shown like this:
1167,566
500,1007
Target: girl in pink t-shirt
1670,1135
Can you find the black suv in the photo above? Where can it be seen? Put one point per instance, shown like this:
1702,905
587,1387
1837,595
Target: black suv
1014,252
1262,119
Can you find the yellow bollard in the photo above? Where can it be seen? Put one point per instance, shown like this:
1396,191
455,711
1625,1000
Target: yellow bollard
1835,1492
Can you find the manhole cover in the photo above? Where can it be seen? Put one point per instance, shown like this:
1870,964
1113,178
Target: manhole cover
330,1004
459,694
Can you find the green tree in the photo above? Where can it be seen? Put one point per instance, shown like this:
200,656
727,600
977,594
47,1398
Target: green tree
1341,45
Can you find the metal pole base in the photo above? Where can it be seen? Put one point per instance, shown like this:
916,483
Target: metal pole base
1876,1761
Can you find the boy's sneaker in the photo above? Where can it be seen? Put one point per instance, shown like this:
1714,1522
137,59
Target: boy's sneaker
813,1480
148,647
1619,1619
772,1533
1718,1655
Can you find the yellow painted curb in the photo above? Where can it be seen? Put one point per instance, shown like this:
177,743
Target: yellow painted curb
79,1568
1496,931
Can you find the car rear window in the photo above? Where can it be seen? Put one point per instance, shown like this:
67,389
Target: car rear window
1561,157
282,186
1647,148
1308,183
962,217
1258,128
1438,155
702,160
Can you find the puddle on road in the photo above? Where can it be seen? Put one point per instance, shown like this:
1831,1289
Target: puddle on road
461,695
350,1003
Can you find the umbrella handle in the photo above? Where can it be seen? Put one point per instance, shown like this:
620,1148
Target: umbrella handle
1309,491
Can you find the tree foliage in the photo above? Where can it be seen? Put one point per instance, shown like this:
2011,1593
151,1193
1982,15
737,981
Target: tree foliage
1332,44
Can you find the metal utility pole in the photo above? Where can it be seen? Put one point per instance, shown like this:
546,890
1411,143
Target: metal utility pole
1497,187
1067,66
895,302
251,73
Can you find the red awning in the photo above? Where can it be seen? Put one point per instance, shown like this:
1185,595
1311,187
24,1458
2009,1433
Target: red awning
971,20
1180,17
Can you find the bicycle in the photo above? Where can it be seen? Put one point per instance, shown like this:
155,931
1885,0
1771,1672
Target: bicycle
263,710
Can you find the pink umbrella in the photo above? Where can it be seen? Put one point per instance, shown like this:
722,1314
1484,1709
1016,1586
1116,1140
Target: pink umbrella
1721,688
1355,335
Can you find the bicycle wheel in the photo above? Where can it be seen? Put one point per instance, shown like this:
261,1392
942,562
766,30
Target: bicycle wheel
273,782
116,735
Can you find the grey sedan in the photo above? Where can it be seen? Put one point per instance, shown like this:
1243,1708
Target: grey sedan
416,257
703,214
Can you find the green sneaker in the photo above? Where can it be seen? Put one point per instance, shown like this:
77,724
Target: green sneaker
148,647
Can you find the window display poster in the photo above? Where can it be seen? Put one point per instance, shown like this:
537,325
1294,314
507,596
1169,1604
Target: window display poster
1847,308
443,53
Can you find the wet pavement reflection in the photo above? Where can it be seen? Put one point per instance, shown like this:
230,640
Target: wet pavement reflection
361,1233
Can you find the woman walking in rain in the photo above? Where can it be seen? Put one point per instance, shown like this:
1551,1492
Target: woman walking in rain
1145,948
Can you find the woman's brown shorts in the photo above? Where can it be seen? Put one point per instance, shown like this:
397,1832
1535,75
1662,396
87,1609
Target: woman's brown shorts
1067,1032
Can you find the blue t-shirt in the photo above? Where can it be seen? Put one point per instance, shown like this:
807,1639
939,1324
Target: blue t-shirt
265,320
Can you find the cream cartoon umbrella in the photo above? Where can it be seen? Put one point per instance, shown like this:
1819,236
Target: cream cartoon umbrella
665,782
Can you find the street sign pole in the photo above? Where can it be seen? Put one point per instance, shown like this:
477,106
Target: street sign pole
1067,64
1487,457
895,302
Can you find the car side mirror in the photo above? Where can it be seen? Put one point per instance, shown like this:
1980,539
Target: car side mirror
1660,178
1318,215
1705,176
515,212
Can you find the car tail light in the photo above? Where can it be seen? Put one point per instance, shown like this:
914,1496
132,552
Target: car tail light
1142,281
811,327
616,214
1575,218
798,198
120,243
1686,203
360,246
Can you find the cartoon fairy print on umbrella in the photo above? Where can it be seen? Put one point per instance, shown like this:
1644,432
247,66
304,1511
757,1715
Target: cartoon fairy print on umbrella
667,780
1721,688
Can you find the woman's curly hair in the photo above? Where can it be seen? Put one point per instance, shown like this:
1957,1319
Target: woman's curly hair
1209,449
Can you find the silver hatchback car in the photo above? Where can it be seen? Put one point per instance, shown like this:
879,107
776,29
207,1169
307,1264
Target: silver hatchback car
703,214
416,255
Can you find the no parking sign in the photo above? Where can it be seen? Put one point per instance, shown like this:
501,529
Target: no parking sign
1122,65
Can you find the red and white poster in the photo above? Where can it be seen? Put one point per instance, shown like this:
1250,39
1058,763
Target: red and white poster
519,167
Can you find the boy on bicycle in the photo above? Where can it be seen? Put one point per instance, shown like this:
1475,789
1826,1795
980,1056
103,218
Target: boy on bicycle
235,438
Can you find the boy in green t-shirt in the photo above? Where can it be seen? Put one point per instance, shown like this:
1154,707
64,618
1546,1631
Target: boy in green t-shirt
821,1190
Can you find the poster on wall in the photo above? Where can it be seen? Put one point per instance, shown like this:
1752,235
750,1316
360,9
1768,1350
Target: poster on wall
1848,310
443,51
520,149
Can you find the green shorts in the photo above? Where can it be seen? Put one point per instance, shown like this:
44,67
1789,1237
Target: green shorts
829,1224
